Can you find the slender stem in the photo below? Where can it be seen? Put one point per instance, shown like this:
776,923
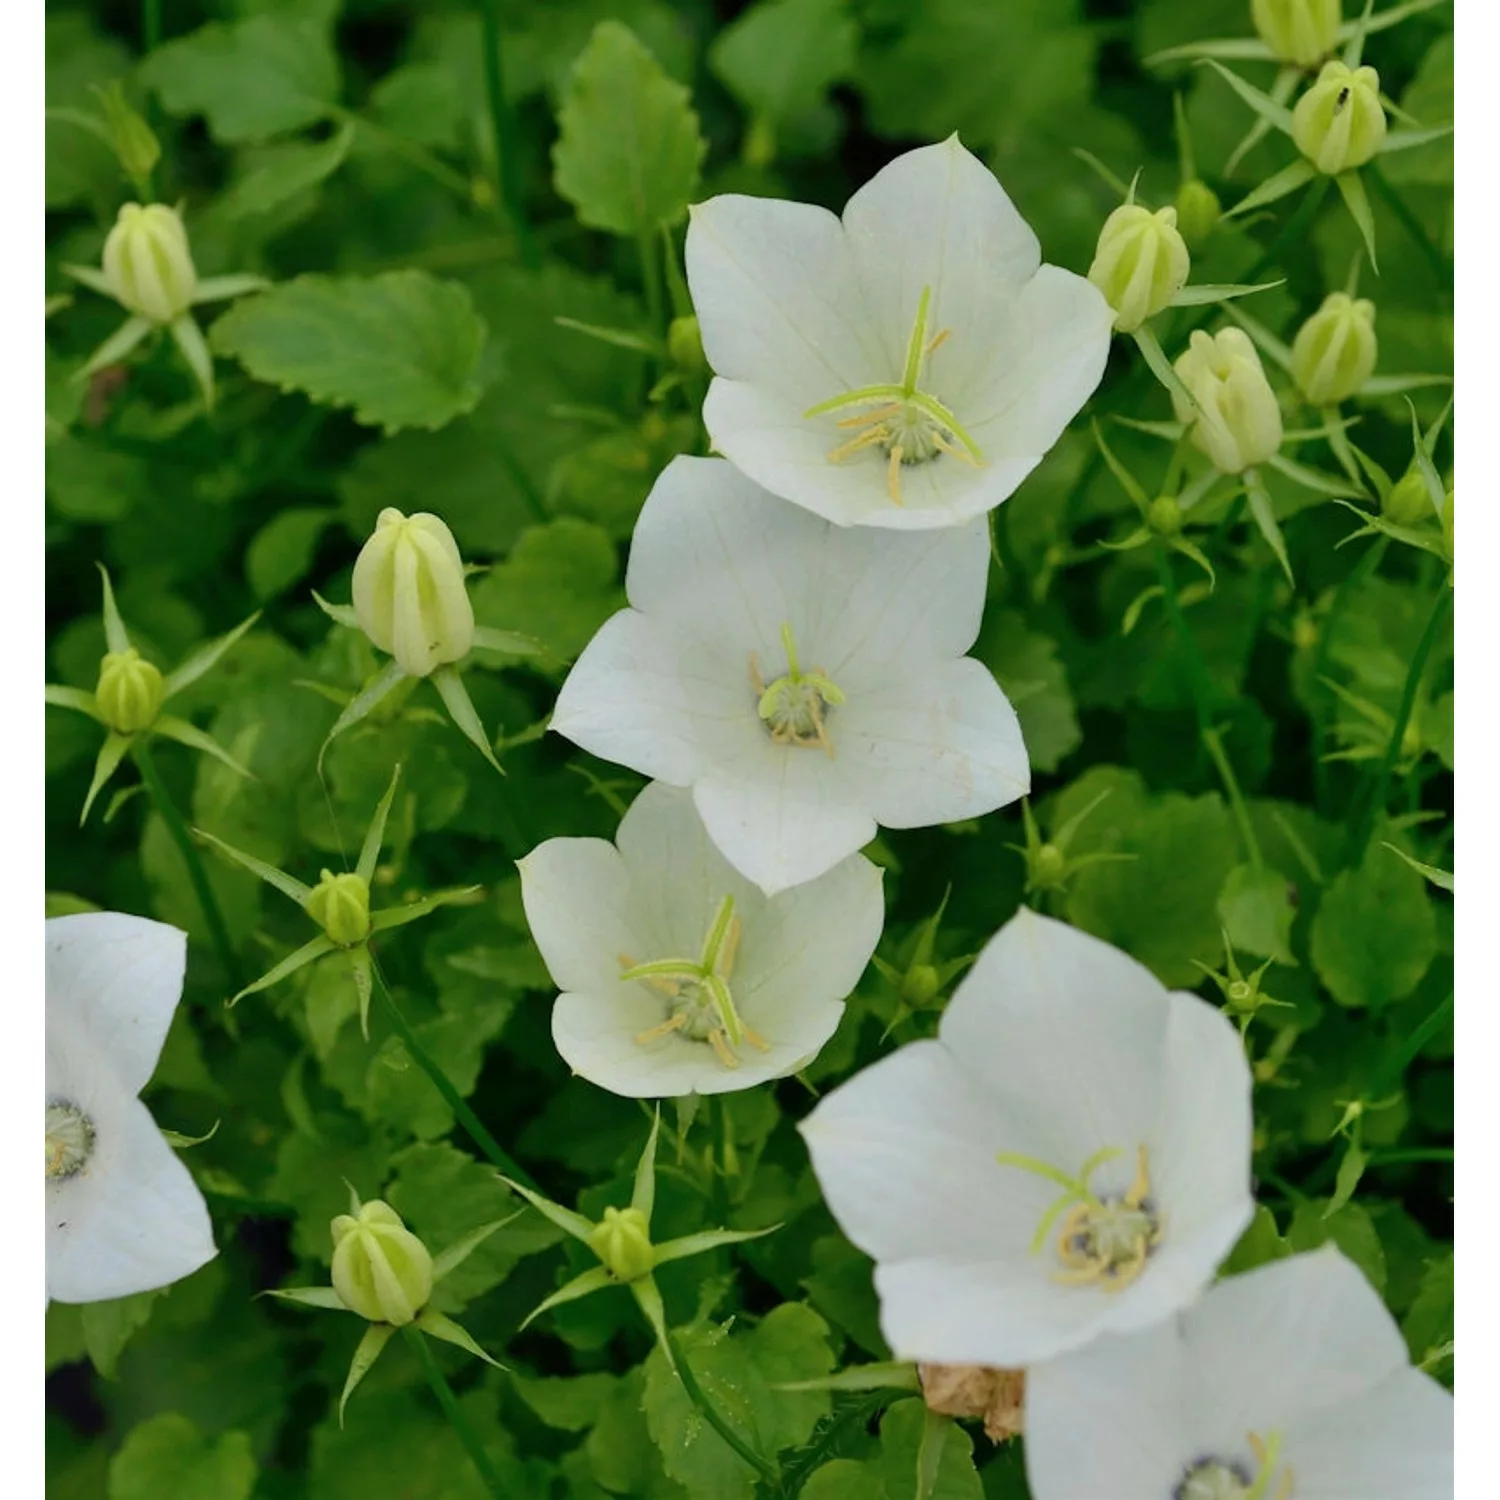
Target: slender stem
718,1120
151,24
217,930
1442,267
1417,1154
424,1060
398,145
1236,798
1375,799
656,314
715,1419
506,164
1392,1072
1202,683
454,1412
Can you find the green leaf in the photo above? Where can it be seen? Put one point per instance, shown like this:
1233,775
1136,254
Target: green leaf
169,1455
628,150
400,349
1256,908
1349,1228
780,58
254,79
1374,933
739,1372
286,170
1429,1322
281,552
1260,1244
911,1471
109,1325
1036,682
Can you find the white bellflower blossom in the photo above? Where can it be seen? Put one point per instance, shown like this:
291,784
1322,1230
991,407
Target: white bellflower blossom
1070,1156
906,366
678,975
123,1213
808,682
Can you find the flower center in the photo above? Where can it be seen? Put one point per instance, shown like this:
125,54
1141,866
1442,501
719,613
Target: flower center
1226,1479
1104,1241
696,992
70,1140
794,708
907,424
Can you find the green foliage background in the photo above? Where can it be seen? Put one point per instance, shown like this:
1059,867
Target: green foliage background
411,354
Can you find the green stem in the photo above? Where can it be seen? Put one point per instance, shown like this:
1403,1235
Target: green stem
151,24
1236,798
1375,800
1418,1154
218,931
398,145
651,280
715,1419
1202,683
1393,1071
718,1122
424,1060
506,162
454,1412
1442,267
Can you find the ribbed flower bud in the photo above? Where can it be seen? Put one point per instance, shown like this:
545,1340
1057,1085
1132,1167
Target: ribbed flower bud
381,1270
1407,502
622,1240
409,594
130,691
340,905
1334,352
1198,210
1298,31
1339,123
1141,263
148,264
1238,423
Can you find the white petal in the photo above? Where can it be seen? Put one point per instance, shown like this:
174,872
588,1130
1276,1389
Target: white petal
637,697
578,905
120,978
776,296
1048,363
936,217
139,1222
936,744
1069,1027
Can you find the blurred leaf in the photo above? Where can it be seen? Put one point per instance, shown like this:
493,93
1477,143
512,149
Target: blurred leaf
1255,906
281,552
1036,682
779,58
168,1455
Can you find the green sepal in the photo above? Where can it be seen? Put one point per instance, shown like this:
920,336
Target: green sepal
1231,48
1196,554
1313,479
79,699
648,1299
180,1142
116,346
309,1296
1352,189
1201,296
1443,879
364,702
1409,140
368,1350
565,1218
1278,116
183,733
220,288
891,1375
288,885
111,753
1282,87
193,347
461,1249
412,911
205,658
114,627
360,966
643,1189
91,276
1161,367
511,642
1128,481
595,1279
705,1240
369,852
460,706
289,965
1265,519
340,614
1276,187
437,1326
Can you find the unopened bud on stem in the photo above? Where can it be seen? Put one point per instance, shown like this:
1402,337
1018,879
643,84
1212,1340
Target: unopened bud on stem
1335,350
381,1270
130,691
1141,263
148,264
1339,123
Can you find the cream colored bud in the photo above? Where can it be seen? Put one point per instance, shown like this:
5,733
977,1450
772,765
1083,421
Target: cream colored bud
1339,123
1198,210
622,1240
1141,263
1298,31
1334,352
1237,423
148,264
381,1270
130,691
340,905
409,594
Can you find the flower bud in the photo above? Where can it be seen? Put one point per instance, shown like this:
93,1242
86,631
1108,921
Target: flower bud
1339,123
1198,210
1298,31
340,905
1141,263
1164,516
147,262
1049,868
920,984
1334,352
130,691
381,1270
1407,502
409,594
685,345
622,1240
1237,423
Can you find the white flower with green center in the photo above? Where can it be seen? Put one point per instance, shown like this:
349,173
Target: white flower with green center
678,976
906,366
807,681
123,1213
1290,1382
1069,1157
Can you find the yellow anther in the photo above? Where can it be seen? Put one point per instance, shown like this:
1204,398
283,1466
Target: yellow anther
667,1027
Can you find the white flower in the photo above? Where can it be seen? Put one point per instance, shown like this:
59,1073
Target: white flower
907,367
123,1214
1287,1383
808,682
1070,1157
678,975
